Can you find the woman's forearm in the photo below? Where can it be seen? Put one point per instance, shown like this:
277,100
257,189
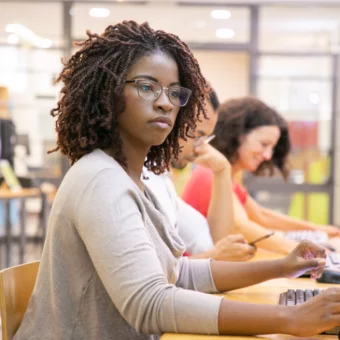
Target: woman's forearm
252,319
275,220
252,231
220,213
231,275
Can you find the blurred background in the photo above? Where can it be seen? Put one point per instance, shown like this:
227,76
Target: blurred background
284,52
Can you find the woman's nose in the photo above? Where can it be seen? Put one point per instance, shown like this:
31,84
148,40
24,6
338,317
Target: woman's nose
267,154
163,102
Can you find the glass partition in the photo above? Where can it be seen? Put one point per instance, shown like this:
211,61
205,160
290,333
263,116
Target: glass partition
300,88
298,29
30,58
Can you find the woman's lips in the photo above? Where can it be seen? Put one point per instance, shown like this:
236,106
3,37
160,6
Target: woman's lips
162,122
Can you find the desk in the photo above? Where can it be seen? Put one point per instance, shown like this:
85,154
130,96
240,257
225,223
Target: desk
265,293
7,195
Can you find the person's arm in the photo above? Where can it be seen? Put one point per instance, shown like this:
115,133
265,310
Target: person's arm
194,230
220,212
275,220
122,249
252,231
303,320
310,318
313,317
209,190
231,248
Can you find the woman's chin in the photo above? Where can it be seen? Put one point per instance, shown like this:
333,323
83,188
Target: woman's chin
251,167
157,141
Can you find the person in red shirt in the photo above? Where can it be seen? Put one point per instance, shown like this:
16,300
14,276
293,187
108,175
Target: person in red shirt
254,137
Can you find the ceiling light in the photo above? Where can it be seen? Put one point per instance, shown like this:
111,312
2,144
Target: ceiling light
99,12
46,43
28,35
13,39
225,33
220,14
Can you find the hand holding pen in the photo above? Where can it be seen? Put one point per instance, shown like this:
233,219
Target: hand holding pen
261,238
209,157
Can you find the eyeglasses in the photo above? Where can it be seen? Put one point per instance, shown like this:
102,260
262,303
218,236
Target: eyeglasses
150,90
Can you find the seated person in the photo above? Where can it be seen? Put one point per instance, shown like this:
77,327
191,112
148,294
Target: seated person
112,265
253,137
192,226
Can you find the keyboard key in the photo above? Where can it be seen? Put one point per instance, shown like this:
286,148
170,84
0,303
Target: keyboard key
283,299
308,294
317,291
300,296
335,258
292,297
309,235
291,301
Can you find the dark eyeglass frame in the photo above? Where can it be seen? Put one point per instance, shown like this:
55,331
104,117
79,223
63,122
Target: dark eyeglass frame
166,89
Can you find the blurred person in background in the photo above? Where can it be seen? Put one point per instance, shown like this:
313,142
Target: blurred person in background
200,240
255,138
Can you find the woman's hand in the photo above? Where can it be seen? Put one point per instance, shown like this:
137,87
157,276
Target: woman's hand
317,315
233,248
331,230
306,256
209,157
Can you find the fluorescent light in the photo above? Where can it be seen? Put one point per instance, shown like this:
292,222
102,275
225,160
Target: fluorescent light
28,35
225,33
99,12
46,43
220,14
13,39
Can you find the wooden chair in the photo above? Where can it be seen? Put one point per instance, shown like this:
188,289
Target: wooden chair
16,286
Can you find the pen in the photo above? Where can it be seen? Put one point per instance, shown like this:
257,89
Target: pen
261,238
209,139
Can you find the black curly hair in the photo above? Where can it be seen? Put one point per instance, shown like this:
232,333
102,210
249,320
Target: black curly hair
92,96
238,117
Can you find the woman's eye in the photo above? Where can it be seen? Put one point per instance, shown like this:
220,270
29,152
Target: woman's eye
146,87
175,93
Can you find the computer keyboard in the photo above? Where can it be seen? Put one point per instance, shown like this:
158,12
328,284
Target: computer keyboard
309,235
294,297
333,259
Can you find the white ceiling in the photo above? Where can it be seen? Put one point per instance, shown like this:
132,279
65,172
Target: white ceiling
292,27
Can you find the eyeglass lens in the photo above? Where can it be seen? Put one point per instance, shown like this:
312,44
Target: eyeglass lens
150,90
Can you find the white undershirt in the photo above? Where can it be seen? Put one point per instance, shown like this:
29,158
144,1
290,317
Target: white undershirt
192,226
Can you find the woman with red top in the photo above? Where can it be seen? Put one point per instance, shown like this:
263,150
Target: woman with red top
254,137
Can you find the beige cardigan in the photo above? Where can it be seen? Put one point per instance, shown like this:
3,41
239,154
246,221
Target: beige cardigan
111,266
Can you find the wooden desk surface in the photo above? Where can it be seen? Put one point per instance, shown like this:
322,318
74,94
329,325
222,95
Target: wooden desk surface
6,194
265,293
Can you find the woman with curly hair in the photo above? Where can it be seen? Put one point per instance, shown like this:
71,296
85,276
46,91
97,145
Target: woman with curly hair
111,266
254,138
